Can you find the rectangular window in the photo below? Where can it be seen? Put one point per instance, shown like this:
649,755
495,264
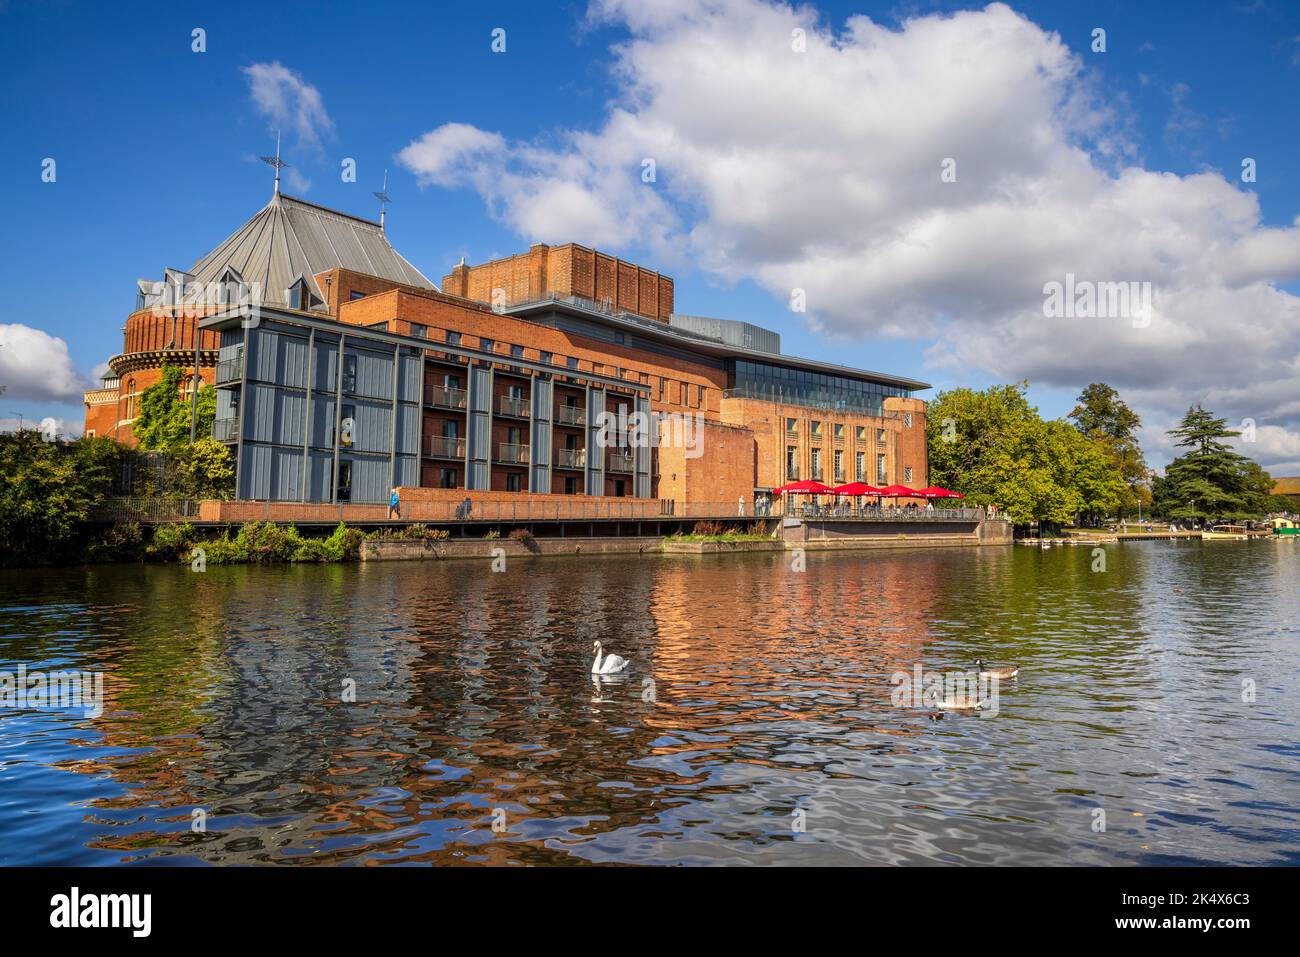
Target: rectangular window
661,388
348,424
343,490
816,428
907,420
515,391
862,433
699,396
860,467
487,345
839,431
572,363
907,473
620,488
839,465
357,294
349,373
517,352
450,428
453,338
817,465
880,436
546,358
882,474
792,425
570,485
419,330
791,462
512,482
447,478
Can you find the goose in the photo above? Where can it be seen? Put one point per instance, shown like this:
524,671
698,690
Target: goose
607,664
995,672
960,704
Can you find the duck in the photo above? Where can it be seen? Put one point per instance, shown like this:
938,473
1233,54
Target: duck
1000,673
607,664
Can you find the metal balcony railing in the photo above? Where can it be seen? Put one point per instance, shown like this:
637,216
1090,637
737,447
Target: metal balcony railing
230,371
512,454
226,430
570,415
518,408
570,458
619,462
441,397
444,447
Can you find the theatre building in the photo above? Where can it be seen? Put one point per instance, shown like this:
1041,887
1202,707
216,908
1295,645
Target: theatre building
342,371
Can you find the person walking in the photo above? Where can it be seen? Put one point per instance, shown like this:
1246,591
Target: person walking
740,505
394,505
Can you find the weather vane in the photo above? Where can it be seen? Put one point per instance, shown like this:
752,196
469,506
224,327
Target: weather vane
384,199
276,162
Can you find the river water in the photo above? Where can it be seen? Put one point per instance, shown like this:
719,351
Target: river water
1156,719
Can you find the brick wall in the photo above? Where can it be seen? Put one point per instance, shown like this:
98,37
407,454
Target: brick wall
569,270
724,473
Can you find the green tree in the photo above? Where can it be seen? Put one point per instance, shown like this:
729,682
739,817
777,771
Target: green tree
995,448
206,469
1107,420
47,492
1211,479
163,423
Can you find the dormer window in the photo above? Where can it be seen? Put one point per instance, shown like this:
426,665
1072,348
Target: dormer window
298,295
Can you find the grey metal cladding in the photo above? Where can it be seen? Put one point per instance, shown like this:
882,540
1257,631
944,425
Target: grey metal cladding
291,237
408,429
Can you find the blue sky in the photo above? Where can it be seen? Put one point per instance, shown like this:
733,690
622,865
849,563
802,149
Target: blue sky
155,148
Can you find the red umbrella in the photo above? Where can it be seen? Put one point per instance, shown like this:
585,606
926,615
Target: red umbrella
856,488
898,491
806,487
934,491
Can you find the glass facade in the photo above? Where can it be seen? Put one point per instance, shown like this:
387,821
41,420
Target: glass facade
820,390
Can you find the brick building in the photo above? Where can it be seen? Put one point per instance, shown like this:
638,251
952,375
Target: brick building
558,371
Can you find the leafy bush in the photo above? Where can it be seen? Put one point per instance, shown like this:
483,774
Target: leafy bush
521,535
123,542
171,542
492,533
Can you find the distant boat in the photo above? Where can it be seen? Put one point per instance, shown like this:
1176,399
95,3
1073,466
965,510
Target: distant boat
1226,533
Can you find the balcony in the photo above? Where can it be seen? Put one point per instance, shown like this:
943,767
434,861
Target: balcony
230,371
570,458
570,415
444,447
792,475
226,430
512,454
440,397
817,475
619,462
516,408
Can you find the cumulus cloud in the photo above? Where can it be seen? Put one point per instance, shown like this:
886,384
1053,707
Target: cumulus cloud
288,101
813,160
35,366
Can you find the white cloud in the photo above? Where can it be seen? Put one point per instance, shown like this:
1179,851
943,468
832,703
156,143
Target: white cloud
35,366
289,102
821,170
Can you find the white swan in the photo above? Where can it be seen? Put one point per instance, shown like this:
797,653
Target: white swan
607,664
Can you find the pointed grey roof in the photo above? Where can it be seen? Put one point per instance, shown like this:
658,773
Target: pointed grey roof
291,237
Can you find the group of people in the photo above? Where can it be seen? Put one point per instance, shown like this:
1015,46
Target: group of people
762,505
